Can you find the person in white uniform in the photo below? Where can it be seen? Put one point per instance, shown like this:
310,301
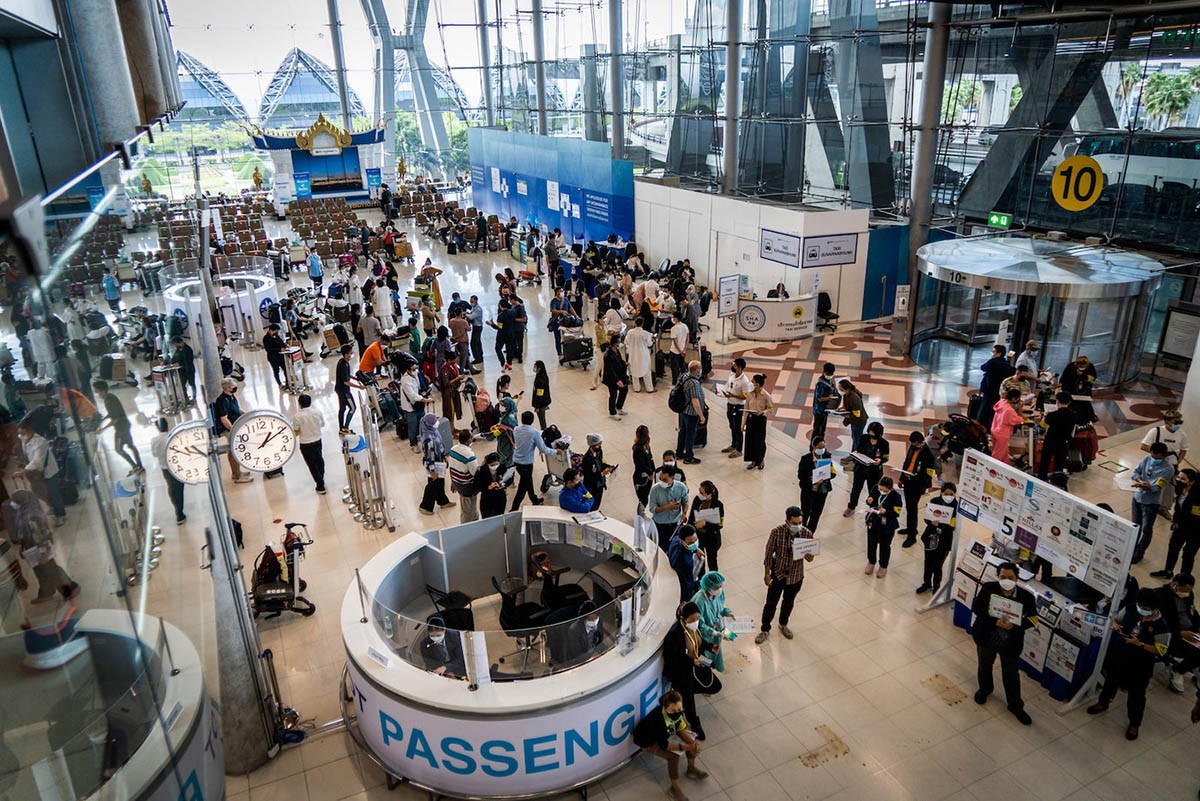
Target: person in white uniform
639,348
1170,433
42,345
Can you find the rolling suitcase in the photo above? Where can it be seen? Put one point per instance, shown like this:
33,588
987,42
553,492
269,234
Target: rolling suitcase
332,340
343,335
1088,443
706,362
701,435
974,405
446,432
576,351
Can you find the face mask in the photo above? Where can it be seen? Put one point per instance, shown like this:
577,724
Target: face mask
1156,459
692,625
947,496
713,593
795,527
673,716
664,484
591,625
668,464
1008,584
819,451
1173,427
1182,594
436,639
1144,612
695,546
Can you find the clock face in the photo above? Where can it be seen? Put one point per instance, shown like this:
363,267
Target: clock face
187,452
262,441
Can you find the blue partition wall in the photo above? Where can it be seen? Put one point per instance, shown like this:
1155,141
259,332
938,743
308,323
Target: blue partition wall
570,184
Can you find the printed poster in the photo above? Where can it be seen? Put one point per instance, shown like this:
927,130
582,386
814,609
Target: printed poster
1037,644
1061,657
552,195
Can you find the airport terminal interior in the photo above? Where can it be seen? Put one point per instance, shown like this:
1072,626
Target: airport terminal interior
605,399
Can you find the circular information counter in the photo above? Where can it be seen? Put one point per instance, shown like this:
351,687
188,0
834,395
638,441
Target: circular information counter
776,319
510,657
244,288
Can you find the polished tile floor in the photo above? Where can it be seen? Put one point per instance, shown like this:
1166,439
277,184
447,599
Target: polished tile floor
861,663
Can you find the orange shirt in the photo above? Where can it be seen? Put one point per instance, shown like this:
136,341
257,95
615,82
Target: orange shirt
372,358
76,402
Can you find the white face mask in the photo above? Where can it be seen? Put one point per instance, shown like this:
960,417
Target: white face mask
669,464
713,593
795,527
664,484
692,625
1008,584
436,639
947,496
702,496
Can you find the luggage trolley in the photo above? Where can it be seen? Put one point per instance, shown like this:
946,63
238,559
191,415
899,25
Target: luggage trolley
293,371
168,386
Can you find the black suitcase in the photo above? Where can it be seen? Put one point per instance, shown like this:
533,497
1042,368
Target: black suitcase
701,435
706,362
660,365
341,333
451,248
974,405
106,367
576,351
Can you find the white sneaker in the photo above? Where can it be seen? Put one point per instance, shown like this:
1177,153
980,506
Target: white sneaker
243,479
622,412
1176,682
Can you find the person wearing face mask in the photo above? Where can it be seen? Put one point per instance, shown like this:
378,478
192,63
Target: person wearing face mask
709,531
938,538
687,560
643,464
1058,437
1185,524
813,492
225,410
1177,601
1140,638
883,519
669,462
412,403
666,501
687,664
1000,632
595,470
585,635
916,477
710,600
574,496
782,573
1152,474
874,447
441,651
41,470
490,487
1170,433
664,733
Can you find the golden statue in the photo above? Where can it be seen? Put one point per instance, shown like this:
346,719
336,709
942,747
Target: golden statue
147,188
402,168
257,178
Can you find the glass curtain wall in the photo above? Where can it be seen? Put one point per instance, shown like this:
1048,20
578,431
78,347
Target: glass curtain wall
96,574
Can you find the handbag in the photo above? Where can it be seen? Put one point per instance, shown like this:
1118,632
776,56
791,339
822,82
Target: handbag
703,676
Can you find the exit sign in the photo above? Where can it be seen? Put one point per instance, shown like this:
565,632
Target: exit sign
998,219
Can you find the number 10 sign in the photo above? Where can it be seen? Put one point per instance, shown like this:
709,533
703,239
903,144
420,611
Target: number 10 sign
1077,183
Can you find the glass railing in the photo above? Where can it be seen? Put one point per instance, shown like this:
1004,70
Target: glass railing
463,639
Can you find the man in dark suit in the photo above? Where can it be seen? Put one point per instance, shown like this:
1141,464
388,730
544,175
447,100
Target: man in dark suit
584,635
919,468
441,651
1002,613
1059,436
995,370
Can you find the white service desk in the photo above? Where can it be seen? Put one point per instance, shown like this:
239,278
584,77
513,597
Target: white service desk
509,739
774,320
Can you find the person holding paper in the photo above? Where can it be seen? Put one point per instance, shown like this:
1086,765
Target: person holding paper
783,573
853,409
710,600
595,470
938,537
754,423
1149,477
666,501
574,496
869,458
687,560
654,732
815,474
737,387
1177,601
490,485
1140,638
687,661
708,516
825,399
441,651
1077,379
883,518
434,459
1006,416
916,477
1002,613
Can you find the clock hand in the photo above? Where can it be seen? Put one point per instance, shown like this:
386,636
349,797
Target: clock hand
270,437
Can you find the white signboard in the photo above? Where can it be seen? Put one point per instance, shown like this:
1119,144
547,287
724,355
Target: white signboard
823,251
552,195
1179,333
727,295
496,180
491,756
779,247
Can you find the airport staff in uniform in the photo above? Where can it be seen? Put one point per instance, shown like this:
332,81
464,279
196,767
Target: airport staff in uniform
441,651
737,387
1141,636
997,633
653,734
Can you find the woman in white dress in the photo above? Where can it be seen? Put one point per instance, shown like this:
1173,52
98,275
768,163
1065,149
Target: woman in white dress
639,348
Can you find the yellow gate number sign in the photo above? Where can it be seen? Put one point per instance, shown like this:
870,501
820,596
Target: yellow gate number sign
1077,183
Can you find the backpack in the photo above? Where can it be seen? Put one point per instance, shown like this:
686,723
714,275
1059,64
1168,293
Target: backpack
677,401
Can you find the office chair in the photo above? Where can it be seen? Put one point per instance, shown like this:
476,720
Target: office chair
520,621
557,632
453,607
554,595
825,313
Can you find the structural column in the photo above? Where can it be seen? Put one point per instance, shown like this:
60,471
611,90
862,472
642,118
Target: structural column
141,50
933,81
539,67
166,61
385,83
339,61
614,79
101,49
589,88
485,60
733,80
